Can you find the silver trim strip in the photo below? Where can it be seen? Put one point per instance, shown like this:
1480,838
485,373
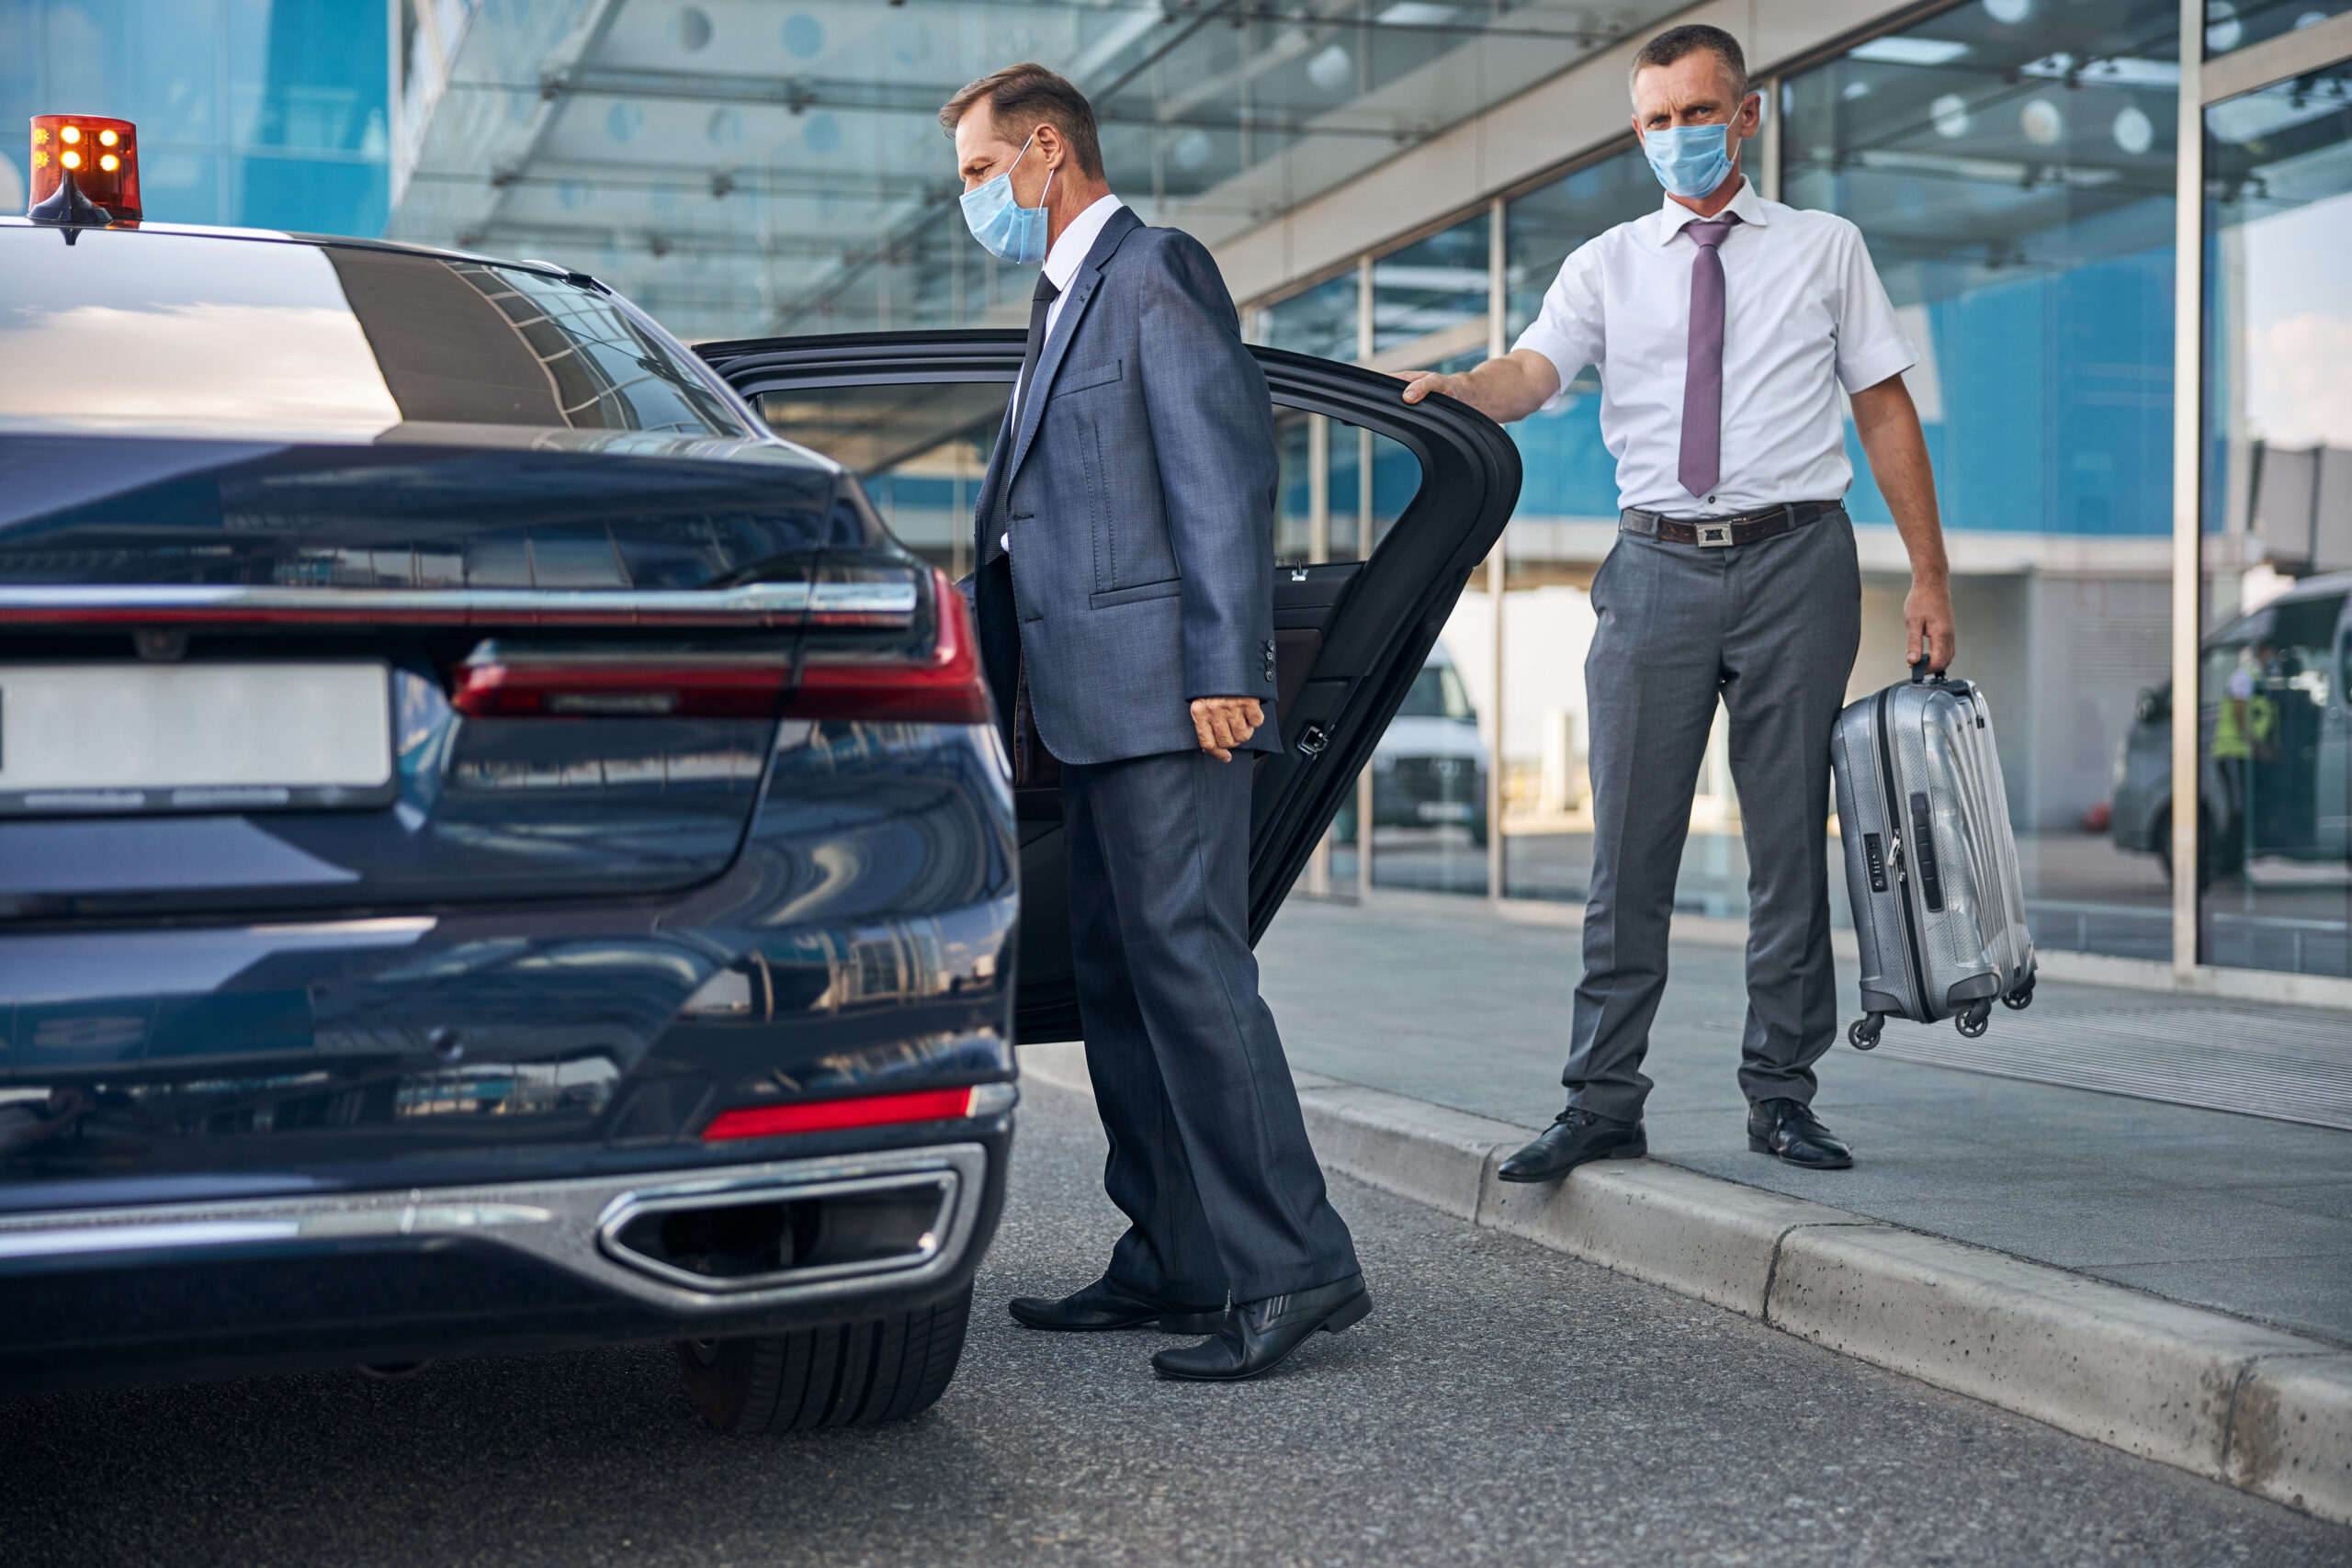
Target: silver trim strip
558,1222
753,598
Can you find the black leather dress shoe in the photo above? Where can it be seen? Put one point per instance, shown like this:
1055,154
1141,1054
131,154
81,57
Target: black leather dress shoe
1102,1307
1253,1340
1788,1129
1574,1136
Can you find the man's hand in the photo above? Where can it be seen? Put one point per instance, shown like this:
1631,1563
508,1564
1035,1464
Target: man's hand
1224,723
1927,623
1420,384
1503,390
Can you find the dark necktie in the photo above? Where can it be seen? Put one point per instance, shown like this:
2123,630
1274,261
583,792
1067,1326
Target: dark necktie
1040,304
1702,368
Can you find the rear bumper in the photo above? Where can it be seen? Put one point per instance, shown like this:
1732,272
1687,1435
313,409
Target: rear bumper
173,1291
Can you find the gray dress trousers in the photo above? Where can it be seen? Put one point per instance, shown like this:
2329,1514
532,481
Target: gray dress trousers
1772,628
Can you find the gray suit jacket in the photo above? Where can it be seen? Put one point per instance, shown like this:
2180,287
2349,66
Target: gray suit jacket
1141,507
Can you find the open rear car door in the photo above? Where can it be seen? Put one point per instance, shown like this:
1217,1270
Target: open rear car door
1427,488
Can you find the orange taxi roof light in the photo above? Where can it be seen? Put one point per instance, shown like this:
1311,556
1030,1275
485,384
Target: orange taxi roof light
99,155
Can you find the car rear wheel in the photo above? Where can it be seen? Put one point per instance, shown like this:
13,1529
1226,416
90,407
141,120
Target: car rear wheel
849,1374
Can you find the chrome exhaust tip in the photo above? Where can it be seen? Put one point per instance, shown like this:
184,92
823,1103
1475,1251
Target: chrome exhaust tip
759,1236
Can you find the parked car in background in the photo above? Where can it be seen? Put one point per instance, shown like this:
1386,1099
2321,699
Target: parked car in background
2274,740
1430,768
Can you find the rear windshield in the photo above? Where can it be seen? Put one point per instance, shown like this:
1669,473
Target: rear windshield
202,334
95,510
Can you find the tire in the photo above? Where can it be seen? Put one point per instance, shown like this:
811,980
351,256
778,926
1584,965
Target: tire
848,1374
2218,859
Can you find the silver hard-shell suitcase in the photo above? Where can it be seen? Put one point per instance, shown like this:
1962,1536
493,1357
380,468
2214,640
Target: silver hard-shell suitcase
1939,907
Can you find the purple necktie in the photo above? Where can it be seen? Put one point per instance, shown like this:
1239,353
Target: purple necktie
1703,369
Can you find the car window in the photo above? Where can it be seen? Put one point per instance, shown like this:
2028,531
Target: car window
1342,488
921,448
2303,631
1437,693
197,334
2213,674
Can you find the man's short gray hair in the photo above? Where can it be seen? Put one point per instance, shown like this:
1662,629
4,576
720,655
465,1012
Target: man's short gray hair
1690,38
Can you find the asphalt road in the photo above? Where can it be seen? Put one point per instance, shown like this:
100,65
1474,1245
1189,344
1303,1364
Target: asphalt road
1504,1404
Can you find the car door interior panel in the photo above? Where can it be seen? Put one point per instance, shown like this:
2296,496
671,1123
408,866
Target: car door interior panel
1349,636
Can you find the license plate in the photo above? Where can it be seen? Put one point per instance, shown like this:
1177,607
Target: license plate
1446,810
128,738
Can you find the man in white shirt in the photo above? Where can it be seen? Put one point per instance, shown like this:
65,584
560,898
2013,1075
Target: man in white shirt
1724,326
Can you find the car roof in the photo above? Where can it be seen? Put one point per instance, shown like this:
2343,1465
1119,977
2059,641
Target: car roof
756,438
2317,587
348,241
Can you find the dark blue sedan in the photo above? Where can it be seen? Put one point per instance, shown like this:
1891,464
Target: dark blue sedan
503,848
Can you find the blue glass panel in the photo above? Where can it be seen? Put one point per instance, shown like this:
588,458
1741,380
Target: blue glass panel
207,82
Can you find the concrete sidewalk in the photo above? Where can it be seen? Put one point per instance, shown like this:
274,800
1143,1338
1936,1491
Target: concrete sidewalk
1443,1000
2037,1247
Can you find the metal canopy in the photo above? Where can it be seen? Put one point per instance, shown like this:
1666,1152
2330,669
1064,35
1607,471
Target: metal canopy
743,167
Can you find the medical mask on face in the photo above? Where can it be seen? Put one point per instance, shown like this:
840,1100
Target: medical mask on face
1005,229
1689,159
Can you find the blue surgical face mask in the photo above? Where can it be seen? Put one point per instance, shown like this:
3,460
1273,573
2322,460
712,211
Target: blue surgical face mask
1689,159
1005,229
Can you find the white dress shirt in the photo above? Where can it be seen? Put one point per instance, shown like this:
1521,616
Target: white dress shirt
1064,257
1062,260
1803,313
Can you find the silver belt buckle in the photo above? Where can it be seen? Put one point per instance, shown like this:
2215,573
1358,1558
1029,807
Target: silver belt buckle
1716,536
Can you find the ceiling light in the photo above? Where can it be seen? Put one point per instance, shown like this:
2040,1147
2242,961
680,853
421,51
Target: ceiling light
1909,51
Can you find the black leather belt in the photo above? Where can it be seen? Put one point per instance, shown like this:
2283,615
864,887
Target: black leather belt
1722,532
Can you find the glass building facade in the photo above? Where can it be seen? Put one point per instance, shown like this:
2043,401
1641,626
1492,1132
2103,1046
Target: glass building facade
267,113
2015,168
2112,253
2274,730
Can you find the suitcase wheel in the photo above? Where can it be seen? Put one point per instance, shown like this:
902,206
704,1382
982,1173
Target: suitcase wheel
1974,1022
1862,1033
2018,1001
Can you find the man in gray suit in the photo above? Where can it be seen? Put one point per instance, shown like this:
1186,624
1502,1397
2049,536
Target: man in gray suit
1125,543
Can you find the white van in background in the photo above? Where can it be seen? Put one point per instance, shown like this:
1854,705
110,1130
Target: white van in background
1429,770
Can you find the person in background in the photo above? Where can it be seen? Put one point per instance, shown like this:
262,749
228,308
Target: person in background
1125,543
1724,326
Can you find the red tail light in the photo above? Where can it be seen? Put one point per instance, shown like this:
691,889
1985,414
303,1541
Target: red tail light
834,1116
945,688
942,686
618,687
